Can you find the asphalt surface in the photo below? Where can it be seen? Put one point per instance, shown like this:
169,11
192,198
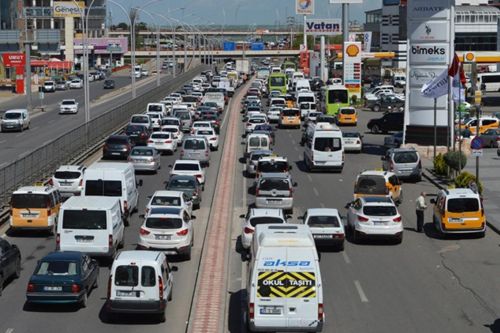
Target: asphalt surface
16,317
425,284
50,124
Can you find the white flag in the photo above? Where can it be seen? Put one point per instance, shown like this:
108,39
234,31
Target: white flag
437,87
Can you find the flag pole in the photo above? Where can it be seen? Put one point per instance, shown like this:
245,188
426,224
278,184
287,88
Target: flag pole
435,126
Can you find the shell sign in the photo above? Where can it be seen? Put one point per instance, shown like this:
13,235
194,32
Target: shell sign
352,50
469,57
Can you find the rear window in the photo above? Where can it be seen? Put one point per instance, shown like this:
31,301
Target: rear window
269,184
350,135
68,103
323,221
84,219
155,108
140,120
290,113
162,135
117,141
142,152
148,276
461,205
305,99
194,144
406,157
67,174
109,188
257,121
186,167
30,200
165,201
55,268
265,220
170,122
327,144
270,166
347,111
379,210
154,115
127,276
163,223
204,132
370,185
181,183
256,142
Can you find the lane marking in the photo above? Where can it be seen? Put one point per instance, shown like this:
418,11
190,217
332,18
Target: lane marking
346,257
3,141
361,293
294,142
322,205
315,191
9,330
309,177
295,147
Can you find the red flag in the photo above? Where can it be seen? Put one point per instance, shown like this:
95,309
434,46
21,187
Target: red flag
457,68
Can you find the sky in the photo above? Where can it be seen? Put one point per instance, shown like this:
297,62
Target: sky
238,12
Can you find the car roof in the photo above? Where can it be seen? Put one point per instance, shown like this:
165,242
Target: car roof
187,162
376,173
403,150
164,192
143,148
275,212
274,158
261,152
128,256
70,168
460,192
63,255
34,189
274,175
375,200
322,211
90,202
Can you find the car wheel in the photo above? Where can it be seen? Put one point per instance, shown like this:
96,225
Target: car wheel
170,295
399,239
187,255
83,302
355,235
340,247
376,108
17,272
162,317
375,129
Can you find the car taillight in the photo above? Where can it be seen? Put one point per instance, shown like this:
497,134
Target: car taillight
30,288
248,230
321,312
358,142
160,287
397,219
81,182
168,141
143,135
144,232
129,147
109,286
198,176
50,182
362,218
213,139
110,241
75,288
183,232
251,311
49,212
151,141
58,241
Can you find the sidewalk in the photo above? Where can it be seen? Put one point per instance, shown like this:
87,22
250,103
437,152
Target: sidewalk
489,176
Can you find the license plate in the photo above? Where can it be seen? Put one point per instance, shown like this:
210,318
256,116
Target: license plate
380,222
122,293
163,237
84,240
456,220
30,215
270,310
115,153
273,200
291,118
52,288
322,236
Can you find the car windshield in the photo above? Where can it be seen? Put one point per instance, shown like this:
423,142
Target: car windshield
194,144
134,129
265,220
68,103
379,210
117,141
370,185
186,167
155,108
84,219
257,141
323,221
142,152
338,96
269,184
201,125
183,115
12,115
347,111
181,183
327,144
67,174
57,268
165,201
140,120
110,188
255,157
127,276
406,157
290,113
350,135
30,200
461,205
276,81
163,223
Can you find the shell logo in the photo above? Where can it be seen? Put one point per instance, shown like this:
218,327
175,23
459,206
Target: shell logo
352,50
469,56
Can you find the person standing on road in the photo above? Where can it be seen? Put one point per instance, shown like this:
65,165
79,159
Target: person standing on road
421,206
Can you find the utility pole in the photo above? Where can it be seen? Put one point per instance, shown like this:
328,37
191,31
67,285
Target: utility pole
133,16
345,29
27,49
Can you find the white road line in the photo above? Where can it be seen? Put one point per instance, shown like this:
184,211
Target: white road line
309,177
346,257
315,190
9,330
322,205
3,141
295,147
361,293
294,142
1,165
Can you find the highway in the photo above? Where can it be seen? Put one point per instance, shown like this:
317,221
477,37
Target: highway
426,284
50,124
16,317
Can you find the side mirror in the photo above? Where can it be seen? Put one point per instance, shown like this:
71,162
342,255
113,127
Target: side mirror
348,205
242,216
290,167
174,268
433,201
382,158
149,196
170,165
295,184
140,182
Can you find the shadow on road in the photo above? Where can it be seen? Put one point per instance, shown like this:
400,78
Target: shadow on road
237,304
495,327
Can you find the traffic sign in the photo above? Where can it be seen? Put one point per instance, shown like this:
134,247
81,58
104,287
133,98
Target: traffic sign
476,143
477,152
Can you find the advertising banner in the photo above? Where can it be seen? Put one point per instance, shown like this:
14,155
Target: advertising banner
352,68
13,59
68,8
323,27
304,7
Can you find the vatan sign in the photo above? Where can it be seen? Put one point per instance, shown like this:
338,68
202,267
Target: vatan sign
68,8
304,7
323,27
352,68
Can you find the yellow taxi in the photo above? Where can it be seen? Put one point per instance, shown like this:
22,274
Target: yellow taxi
34,208
485,123
290,101
459,210
289,117
347,116
378,183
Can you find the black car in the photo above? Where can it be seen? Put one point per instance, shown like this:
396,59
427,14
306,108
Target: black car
109,84
213,117
138,134
389,122
388,103
491,138
10,262
117,146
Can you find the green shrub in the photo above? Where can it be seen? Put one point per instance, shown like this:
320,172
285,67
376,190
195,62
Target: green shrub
440,166
464,179
453,159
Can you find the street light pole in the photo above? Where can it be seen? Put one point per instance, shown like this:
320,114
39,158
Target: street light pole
133,17
158,66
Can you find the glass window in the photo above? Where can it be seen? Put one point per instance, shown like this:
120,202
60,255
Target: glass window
461,205
327,144
269,184
84,219
406,157
12,115
163,223
273,166
162,135
194,144
324,221
265,220
117,141
148,276
338,96
290,113
30,200
277,81
57,268
186,167
166,201
370,185
109,188
379,210
181,183
127,276
67,174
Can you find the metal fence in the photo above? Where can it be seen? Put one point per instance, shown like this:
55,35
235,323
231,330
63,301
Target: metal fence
43,161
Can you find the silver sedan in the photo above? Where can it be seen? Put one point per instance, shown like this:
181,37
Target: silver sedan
145,159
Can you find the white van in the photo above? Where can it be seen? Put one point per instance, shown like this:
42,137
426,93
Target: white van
113,179
140,282
302,85
15,120
257,141
92,225
324,148
285,291
157,107
305,97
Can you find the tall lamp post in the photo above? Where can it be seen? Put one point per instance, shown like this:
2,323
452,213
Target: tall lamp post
158,66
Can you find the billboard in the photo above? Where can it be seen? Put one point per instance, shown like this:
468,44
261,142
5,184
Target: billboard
323,27
13,59
304,7
68,8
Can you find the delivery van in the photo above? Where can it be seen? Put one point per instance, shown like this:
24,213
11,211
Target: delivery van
324,147
285,291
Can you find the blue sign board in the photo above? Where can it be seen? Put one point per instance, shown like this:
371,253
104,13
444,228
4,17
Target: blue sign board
476,143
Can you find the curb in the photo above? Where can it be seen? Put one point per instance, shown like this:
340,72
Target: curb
433,181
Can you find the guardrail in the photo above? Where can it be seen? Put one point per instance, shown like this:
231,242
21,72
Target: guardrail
43,161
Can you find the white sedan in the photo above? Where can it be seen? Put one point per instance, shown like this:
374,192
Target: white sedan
259,216
76,84
177,134
212,137
353,142
176,199
68,106
326,227
190,168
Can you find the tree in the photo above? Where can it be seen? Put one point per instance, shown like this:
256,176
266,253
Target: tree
122,25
